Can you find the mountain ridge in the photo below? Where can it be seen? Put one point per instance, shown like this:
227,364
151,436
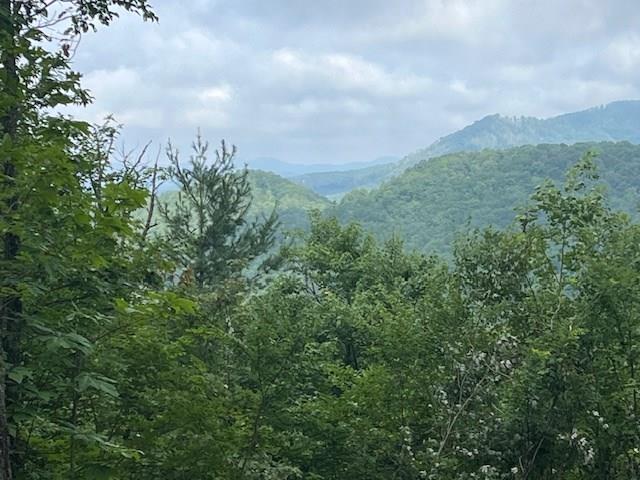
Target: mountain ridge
615,121
289,169
269,191
434,200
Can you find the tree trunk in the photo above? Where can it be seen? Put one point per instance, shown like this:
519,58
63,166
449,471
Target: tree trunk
11,303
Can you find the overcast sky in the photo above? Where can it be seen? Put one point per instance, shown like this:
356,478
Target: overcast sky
335,81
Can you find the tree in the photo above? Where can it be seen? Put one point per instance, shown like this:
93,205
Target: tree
207,228
186,407
33,82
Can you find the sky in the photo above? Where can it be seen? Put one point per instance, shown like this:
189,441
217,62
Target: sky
337,81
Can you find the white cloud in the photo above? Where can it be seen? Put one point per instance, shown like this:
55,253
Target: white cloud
339,79
623,53
218,93
141,117
309,107
206,117
348,72
105,83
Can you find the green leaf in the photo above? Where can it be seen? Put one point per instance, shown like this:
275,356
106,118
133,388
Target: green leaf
98,382
18,374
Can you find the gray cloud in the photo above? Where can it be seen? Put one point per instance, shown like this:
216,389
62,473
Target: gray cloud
336,81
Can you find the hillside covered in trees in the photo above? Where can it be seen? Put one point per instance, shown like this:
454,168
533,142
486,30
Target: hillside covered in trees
269,192
618,121
431,202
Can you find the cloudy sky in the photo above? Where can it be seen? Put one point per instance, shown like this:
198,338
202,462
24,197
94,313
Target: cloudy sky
333,81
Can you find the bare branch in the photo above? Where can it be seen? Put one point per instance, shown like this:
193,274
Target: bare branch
152,200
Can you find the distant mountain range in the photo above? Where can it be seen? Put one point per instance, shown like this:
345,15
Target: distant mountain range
335,184
286,169
430,196
433,201
613,122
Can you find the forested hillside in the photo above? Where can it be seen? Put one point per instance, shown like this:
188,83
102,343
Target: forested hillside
333,183
614,122
291,201
269,192
432,201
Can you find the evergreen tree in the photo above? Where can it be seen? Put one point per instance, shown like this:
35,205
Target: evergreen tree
208,228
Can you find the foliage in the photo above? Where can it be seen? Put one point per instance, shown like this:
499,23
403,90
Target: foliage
516,359
65,220
436,200
207,227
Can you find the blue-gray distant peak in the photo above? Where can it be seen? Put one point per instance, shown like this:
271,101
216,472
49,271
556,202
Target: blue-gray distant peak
616,121
287,169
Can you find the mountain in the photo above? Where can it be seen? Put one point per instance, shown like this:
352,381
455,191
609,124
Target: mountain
613,122
291,201
286,169
616,121
429,203
339,182
431,195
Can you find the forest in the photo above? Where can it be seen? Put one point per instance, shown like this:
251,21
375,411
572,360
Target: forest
429,204
146,336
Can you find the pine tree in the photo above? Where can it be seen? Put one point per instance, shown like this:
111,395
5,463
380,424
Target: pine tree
208,227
